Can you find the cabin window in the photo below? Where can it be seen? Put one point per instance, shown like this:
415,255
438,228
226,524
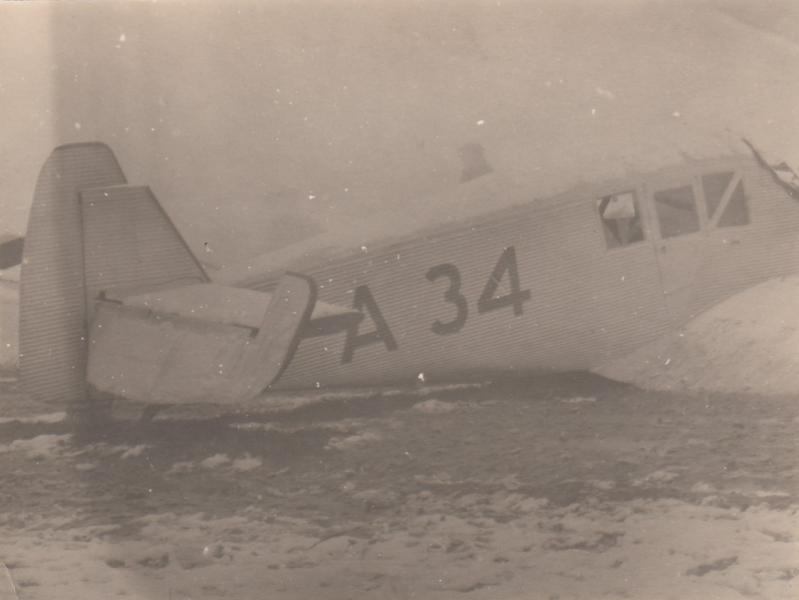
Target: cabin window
621,219
717,187
714,186
676,211
737,212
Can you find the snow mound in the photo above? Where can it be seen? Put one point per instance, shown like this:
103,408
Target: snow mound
434,406
215,461
246,463
39,447
747,343
357,440
49,418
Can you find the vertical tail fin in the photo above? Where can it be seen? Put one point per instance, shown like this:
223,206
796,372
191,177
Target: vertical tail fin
87,231
128,241
52,328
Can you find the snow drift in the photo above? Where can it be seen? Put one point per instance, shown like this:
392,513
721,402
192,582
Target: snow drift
747,343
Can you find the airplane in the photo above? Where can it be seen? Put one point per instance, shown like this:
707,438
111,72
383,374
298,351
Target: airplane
113,303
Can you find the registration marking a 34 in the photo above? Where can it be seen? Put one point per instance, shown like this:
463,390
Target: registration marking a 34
364,301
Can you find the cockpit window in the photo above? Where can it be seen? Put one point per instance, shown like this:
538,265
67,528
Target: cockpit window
621,219
714,185
676,211
726,200
737,212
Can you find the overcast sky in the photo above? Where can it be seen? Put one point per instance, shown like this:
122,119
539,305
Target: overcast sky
257,123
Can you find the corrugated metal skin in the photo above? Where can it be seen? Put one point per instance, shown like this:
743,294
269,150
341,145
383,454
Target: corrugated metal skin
52,307
130,241
585,301
730,259
735,258
588,304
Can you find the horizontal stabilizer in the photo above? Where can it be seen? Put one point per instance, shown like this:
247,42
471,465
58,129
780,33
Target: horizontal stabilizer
214,303
164,348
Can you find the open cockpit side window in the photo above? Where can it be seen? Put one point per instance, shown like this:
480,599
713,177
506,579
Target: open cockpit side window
621,219
725,199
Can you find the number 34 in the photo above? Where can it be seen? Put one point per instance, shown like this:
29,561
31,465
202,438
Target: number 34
365,302
487,302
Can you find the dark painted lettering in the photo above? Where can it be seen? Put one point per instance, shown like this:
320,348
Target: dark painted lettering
516,297
364,302
452,295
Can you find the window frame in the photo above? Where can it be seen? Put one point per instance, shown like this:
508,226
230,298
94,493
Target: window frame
699,201
635,190
736,180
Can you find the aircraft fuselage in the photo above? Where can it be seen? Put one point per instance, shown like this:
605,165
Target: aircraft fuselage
563,283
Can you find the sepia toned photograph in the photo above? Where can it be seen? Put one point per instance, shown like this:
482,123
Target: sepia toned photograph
399,299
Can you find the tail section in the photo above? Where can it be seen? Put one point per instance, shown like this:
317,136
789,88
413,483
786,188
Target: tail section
87,231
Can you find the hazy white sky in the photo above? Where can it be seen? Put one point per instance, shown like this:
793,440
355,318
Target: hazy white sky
257,123
27,120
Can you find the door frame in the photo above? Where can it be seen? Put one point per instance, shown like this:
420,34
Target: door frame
679,243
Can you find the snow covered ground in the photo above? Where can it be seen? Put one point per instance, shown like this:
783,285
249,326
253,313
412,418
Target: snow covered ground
563,488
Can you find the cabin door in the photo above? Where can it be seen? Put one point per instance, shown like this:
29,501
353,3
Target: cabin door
679,227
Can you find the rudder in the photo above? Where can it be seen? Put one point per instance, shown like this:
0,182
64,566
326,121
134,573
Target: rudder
88,231
52,321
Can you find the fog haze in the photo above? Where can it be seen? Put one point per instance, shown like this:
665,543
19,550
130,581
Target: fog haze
259,124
